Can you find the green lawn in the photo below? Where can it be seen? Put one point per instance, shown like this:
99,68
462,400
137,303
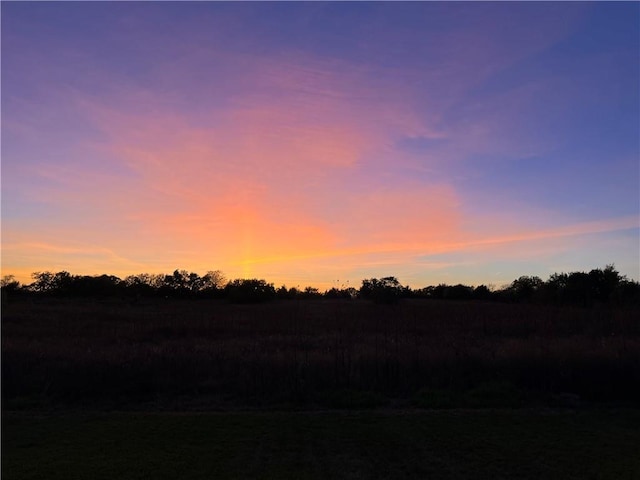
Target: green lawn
451,444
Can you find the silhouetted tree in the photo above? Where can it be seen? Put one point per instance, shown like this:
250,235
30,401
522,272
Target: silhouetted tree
448,292
144,284
626,292
458,292
525,287
578,289
600,285
597,286
482,292
213,282
8,283
346,293
176,283
249,291
604,282
555,289
9,286
311,292
56,283
94,286
282,293
384,290
439,291
185,284
42,281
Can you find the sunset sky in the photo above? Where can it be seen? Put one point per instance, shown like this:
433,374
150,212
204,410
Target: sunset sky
321,143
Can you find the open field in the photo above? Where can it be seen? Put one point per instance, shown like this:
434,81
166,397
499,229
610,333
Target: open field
191,389
523,444
204,354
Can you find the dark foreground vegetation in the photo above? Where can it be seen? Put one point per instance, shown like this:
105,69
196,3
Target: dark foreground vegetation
170,353
242,380
507,444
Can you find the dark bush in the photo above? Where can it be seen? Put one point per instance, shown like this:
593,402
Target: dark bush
250,291
384,290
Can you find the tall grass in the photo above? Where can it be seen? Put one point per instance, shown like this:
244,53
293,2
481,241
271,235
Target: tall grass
208,354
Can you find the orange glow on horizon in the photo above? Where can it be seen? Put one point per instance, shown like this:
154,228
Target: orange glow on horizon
244,264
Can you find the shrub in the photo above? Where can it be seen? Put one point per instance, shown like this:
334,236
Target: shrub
384,290
250,291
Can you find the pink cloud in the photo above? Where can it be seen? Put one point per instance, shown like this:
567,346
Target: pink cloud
254,188
260,181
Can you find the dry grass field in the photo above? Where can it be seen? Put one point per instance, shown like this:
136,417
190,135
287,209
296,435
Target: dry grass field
317,389
204,354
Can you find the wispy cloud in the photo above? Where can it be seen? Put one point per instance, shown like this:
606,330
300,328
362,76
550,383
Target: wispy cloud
259,154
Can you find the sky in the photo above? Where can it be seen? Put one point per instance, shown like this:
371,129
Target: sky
321,143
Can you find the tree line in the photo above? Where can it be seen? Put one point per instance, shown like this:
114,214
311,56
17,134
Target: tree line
601,285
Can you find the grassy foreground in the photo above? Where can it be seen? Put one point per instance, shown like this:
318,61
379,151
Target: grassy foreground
524,444
326,353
